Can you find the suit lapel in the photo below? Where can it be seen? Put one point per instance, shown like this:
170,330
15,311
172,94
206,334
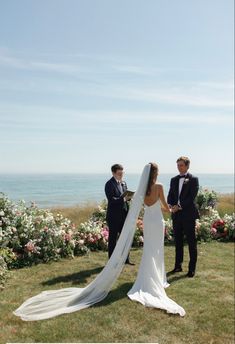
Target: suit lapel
185,185
177,187
116,185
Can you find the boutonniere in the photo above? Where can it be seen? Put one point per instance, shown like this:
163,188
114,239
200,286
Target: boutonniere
186,180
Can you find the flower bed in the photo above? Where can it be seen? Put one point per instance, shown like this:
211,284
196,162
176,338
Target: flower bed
29,235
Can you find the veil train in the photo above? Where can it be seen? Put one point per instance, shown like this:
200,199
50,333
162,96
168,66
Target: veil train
49,304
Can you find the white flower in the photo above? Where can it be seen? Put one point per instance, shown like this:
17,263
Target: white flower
2,213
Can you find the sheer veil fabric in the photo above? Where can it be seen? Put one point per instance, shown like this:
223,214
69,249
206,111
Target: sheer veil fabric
49,304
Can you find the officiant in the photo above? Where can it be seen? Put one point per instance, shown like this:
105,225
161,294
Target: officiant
117,207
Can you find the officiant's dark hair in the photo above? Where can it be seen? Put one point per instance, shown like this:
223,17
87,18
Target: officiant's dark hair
116,167
152,175
185,159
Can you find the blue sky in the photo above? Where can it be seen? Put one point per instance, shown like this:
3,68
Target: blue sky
88,83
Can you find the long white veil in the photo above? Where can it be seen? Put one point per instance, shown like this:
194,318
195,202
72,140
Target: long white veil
49,304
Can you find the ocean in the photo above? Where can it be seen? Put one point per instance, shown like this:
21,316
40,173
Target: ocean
52,190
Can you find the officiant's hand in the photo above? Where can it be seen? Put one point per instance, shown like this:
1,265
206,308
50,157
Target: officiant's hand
126,199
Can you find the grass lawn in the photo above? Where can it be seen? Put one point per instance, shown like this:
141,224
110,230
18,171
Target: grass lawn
207,299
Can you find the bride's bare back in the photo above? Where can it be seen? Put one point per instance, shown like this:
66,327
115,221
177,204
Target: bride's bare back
156,193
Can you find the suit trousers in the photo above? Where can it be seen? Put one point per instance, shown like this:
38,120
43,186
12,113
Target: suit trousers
115,229
183,226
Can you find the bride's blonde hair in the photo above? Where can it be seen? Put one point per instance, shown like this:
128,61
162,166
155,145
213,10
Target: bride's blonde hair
152,175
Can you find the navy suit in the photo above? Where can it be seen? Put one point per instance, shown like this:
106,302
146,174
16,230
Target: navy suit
116,211
184,220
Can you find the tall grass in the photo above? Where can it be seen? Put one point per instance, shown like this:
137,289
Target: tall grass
225,204
80,213
77,214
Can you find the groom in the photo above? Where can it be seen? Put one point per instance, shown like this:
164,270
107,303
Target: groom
117,207
181,198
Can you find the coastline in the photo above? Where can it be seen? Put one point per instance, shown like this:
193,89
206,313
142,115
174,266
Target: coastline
51,191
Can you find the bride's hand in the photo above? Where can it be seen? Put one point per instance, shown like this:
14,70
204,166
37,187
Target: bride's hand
166,210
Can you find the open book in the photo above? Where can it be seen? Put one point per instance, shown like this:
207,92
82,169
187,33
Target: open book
128,194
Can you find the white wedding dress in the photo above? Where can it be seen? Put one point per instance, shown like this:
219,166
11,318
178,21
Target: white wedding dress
148,288
49,304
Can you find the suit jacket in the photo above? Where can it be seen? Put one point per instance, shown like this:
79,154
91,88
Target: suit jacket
117,207
187,197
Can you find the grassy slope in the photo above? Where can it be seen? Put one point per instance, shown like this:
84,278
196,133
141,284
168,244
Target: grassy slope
207,299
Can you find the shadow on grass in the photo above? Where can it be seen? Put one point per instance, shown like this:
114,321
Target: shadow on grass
116,294
172,278
76,278
121,293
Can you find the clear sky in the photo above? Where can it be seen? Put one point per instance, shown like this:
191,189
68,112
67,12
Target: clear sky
88,83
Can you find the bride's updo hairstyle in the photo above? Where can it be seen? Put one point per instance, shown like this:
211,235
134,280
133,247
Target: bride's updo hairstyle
152,175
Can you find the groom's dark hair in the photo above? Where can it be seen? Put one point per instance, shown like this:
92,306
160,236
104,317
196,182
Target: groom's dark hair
185,159
116,167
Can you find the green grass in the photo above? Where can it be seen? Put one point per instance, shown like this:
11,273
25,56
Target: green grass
207,299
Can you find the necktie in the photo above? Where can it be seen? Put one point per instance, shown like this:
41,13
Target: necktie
121,190
120,187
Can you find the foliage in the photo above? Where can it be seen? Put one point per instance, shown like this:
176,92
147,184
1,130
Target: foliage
206,199
29,235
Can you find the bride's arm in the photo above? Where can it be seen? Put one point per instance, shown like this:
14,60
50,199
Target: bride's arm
162,199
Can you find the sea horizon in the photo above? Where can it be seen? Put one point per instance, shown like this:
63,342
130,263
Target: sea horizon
49,190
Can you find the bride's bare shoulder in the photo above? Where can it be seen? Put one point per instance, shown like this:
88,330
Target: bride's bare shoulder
159,185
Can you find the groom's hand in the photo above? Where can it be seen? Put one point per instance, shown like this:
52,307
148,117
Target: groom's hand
175,208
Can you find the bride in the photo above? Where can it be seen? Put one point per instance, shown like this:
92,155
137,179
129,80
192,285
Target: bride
151,280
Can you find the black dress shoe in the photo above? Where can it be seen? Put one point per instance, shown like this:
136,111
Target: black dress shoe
191,274
176,270
129,263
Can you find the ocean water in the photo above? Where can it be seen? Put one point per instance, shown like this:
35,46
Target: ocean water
51,190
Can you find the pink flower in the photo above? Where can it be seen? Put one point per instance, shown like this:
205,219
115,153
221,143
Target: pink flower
30,247
140,224
67,237
105,233
197,227
213,231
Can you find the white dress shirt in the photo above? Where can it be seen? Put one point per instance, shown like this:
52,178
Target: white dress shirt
119,182
181,182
